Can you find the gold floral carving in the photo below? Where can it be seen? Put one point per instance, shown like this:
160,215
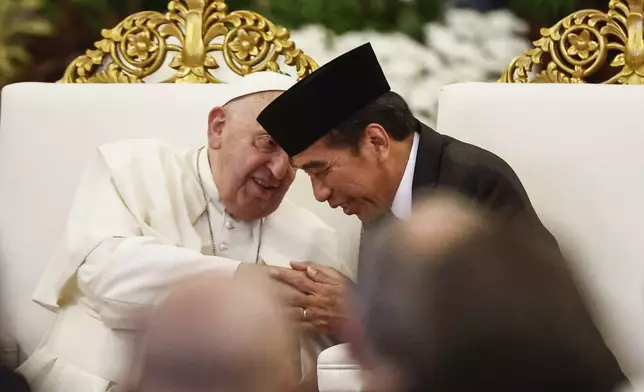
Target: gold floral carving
189,35
553,75
576,48
111,75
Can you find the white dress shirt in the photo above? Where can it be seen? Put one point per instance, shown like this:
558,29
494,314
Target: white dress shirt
401,207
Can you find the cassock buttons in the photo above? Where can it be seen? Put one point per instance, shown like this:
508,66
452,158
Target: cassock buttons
223,247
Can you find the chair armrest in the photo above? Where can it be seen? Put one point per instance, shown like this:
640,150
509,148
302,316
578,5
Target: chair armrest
337,370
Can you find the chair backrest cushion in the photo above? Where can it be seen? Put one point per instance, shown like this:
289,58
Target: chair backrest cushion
578,151
47,135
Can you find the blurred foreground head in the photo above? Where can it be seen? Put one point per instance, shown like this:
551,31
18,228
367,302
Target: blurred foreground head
216,334
451,302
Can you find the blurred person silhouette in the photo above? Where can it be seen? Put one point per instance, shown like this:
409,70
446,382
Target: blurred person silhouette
215,334
452,302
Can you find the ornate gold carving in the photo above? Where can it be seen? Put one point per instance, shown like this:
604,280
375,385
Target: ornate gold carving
111,75
140,46
552,75
191,32
580,45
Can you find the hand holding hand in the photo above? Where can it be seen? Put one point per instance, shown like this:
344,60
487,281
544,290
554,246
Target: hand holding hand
319,300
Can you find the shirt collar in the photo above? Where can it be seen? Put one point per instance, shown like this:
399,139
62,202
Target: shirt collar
401,207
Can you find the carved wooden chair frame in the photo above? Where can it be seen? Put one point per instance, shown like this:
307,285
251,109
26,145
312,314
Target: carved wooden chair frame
588,46
138,46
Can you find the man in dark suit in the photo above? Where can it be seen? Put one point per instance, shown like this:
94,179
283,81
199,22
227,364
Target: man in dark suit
366,152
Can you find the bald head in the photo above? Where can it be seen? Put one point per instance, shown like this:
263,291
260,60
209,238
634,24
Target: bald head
218,334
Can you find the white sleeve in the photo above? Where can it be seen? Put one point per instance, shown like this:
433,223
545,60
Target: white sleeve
115,265
126,276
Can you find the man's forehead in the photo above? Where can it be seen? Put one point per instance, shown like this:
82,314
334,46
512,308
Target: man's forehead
315,157
311,165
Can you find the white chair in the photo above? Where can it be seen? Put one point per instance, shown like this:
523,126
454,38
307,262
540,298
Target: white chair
580,158
48,131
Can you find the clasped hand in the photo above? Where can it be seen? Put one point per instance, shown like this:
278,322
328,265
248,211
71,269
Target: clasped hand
315,296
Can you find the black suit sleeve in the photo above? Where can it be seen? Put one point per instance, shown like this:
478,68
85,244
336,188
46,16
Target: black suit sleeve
492,183
499,189
484,177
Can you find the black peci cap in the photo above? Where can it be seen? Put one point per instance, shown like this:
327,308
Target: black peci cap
325,99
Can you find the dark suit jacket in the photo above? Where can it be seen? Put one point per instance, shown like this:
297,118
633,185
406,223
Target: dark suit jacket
446,163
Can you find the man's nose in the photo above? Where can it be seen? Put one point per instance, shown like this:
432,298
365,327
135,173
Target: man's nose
280,165
321,192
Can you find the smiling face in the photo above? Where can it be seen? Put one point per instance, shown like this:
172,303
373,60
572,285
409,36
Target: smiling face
251,171
364,181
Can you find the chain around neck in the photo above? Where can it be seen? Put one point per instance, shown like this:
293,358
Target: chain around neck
207,210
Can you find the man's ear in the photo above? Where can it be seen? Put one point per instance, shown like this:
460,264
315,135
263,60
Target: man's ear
375,141
216,121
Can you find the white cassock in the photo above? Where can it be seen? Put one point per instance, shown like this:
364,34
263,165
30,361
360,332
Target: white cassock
138,224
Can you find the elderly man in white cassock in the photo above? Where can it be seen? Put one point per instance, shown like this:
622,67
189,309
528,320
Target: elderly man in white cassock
148,214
